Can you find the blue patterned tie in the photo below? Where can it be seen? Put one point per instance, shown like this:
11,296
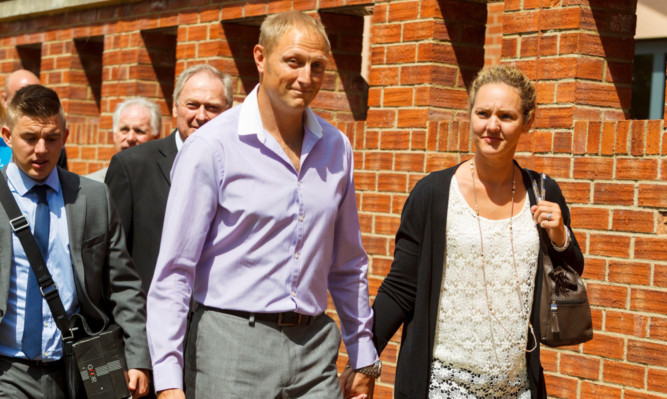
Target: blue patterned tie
32,333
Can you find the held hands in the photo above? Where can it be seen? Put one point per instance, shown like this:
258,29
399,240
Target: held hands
548,216
138,382
356,385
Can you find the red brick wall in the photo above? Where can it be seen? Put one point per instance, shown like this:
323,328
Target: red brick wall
409,118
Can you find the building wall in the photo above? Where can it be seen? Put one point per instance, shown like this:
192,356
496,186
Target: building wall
408,118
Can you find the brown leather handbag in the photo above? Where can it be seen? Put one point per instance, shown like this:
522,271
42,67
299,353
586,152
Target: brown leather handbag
565,314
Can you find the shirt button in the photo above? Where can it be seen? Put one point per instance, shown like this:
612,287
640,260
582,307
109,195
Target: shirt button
298,183
296,255
46,324
300,218
293,294
45,354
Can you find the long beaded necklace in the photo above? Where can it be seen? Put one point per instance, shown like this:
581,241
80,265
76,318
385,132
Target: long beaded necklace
516,272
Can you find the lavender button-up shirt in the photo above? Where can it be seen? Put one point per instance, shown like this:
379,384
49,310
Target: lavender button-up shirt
244,231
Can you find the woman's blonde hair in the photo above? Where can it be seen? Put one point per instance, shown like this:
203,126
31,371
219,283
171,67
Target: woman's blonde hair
512,77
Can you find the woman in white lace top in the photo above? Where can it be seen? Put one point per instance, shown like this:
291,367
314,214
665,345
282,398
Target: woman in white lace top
467,256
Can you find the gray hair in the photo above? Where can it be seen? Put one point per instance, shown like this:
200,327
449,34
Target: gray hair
152,108
213,72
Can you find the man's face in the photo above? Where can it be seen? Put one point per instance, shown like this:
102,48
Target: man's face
36,144
134,127
202,99
293,72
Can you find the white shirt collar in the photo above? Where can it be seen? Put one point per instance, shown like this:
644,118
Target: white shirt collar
179,140
23,183
250,120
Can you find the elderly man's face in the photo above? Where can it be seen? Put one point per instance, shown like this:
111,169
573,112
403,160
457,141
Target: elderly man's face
293,72
202,99
36,144
134,127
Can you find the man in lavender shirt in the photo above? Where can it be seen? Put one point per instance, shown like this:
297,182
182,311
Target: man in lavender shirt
261,221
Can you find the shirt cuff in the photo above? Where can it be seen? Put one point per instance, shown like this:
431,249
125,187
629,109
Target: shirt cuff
167,376
364,354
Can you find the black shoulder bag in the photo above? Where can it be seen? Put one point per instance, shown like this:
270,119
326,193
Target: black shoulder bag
94,362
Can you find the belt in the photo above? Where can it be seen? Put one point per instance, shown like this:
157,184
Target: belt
33,363
284,319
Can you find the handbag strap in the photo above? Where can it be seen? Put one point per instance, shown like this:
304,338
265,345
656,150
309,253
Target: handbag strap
47,286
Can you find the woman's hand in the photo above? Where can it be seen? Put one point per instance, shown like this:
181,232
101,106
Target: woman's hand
549,217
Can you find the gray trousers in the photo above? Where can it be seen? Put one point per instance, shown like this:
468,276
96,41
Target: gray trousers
21,380
228,357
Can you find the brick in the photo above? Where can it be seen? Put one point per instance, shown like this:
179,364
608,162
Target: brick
593,139
651,248
647,352
381,118
636,221
610,296
386,224
375,245
591,390
660,276
576,192
600,94
590,68
596,268
623,373
630,394
636,169
410,162
510,47
561,387
554,117
395,140
365,181
656,380
590,218
520,22
606,346
622,134
652,195
626,323
637,139
614,193
563,142
593,168
383,76
412,117
401,54
402,11
653,132
579,366
648,301
557,68
379,161
658,328
392,182
376,202
390,33
634,273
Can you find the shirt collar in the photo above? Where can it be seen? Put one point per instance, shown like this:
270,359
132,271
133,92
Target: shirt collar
23,183
250,120
179,140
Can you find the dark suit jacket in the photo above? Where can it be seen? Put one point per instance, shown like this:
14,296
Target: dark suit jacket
107,285
138,180
410,293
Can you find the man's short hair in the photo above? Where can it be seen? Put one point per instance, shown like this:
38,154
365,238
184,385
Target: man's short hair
35,102
152,108
212,71
276,25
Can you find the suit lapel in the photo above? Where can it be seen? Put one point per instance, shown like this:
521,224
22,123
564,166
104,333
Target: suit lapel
75,210
168,152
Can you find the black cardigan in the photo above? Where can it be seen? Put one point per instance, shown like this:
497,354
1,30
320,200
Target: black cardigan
410,293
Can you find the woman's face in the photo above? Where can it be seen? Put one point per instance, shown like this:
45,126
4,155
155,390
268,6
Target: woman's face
497,121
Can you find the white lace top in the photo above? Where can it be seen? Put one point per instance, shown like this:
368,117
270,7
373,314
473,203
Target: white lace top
474,356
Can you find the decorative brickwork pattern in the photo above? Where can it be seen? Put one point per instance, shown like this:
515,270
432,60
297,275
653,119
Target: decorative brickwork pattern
410,118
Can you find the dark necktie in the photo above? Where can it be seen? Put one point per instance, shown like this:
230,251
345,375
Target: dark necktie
32,334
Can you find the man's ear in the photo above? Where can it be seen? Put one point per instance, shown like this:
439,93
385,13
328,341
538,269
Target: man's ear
6,135
65,135
259,54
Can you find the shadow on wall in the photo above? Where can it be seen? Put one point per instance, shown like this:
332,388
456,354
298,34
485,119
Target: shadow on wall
465,28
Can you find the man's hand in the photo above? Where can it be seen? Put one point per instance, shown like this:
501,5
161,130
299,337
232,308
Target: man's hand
138,383
356,385
171,394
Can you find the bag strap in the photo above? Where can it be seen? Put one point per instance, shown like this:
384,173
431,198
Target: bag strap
47,286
